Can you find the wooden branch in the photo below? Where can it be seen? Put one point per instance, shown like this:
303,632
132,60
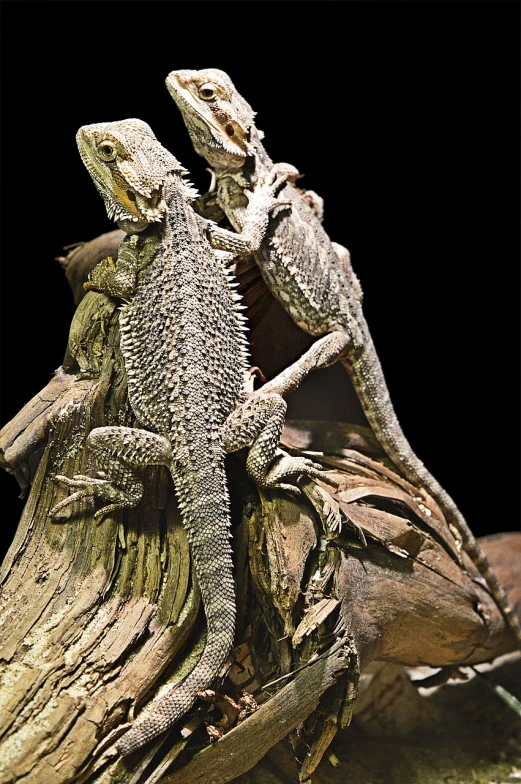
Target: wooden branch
96,617
92,614
84,256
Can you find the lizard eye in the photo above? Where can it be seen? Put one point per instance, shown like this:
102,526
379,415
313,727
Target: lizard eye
208,91
107,151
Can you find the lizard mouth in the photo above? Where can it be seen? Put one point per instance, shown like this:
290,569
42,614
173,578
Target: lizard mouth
230,137
150,206
136,208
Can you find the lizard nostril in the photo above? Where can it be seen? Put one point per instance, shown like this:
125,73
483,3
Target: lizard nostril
230,129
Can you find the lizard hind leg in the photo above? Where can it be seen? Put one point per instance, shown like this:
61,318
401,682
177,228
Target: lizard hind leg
115,450
258,423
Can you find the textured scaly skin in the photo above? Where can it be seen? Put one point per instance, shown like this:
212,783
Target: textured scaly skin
182,371
185,356
301,268
185,366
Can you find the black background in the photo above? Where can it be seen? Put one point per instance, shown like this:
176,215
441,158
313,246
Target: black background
402,115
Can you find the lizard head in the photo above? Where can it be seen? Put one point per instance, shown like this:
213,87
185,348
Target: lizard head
219,120
129,167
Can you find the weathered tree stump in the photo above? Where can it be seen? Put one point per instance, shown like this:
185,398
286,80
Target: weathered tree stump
96,617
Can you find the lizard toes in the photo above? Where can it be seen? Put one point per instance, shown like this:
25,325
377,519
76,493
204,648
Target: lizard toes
60,479
101,513
282,204
292,466
286,486
54,513
78,480
278,184
317,471
281,173
328,480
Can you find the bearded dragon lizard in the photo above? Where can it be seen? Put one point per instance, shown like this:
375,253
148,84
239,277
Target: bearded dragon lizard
308,275
185,355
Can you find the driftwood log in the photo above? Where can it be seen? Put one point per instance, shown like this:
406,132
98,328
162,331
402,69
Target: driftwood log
95,618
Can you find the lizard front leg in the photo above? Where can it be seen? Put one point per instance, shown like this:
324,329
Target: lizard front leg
254,219
115,450
117,278
324,352
259,420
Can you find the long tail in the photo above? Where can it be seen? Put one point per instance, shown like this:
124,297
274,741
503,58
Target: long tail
367,376
205,509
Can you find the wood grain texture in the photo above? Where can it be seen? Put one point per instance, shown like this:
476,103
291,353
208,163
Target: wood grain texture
94,618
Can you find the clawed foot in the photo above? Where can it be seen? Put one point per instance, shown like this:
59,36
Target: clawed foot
267,187
98,276
109,279
90,488
286,466
288,171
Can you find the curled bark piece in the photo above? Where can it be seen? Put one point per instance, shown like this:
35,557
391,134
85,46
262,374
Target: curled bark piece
84,256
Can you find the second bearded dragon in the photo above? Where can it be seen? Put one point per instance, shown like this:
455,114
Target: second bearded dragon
312,280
